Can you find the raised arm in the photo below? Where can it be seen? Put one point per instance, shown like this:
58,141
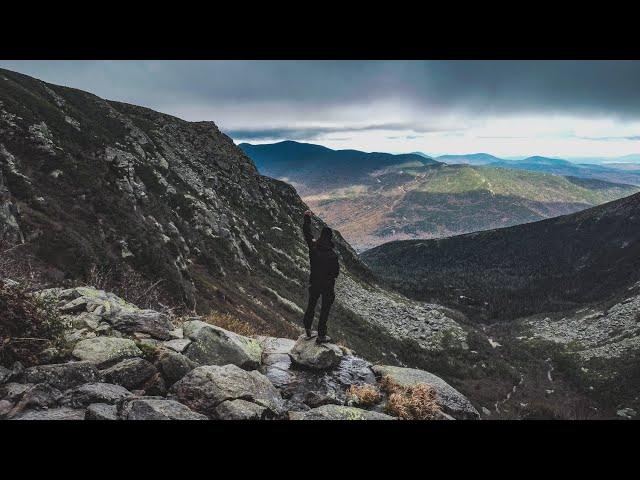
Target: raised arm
306,228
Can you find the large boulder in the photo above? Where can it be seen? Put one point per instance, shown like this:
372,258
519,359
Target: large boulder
85,395
240,410
174,366
154,323
451,401
338,412
131,373
101,411
62,413
62,375
158,409
205,388
40,396
211,345
308,354
106,351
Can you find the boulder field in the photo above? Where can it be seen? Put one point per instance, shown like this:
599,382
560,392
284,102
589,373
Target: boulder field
120,362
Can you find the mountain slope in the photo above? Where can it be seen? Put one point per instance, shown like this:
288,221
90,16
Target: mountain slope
557,166
311,167
444,200
471,159
500,274
375,198
89,183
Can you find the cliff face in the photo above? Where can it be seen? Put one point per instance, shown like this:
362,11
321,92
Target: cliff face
86,181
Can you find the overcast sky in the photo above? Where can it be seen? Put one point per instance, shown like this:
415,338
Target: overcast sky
507,108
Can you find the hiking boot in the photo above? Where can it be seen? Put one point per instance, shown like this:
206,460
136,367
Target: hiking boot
309,333
323,339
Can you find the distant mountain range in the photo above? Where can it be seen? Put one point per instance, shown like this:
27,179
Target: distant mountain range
392,197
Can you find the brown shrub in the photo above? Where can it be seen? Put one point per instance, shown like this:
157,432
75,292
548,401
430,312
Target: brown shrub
130,285
416,402
365,395
231,323
28,325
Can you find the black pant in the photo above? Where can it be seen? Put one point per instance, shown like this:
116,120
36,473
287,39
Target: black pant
328,296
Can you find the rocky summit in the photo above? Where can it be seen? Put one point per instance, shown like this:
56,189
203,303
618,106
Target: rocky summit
117,374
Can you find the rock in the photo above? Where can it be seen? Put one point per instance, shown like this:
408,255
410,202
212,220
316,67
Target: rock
101,411
177,344
204,388
89,393
62,375
317,399
154,323
5,408
308,354
106,350
62,413
131,373
155,385
450,400
158,409
213,345
40,396
626,413
486,411
13,392
239,410
174,366
338,412
5,374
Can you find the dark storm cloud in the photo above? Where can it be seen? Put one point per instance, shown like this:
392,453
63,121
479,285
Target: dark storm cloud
580,87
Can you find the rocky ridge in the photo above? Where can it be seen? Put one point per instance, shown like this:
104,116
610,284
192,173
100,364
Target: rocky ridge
109,370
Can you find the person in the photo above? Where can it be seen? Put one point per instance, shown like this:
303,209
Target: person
324,271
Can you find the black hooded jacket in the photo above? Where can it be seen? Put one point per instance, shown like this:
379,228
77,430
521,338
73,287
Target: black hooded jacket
322,257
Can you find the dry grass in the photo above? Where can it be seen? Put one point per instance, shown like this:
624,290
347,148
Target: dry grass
231,323
365,395
416,402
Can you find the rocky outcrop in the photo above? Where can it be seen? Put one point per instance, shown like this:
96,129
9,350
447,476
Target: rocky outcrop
125,376
211,345
308,354
205,388
449,399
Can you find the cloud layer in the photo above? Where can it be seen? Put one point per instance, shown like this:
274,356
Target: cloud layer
335,101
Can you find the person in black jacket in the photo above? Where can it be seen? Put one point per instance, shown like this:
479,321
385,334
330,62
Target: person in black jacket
324,270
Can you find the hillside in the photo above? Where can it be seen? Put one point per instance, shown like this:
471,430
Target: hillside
376,198
549,265
445,200
311,167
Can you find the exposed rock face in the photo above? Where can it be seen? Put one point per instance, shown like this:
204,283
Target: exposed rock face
450,400
106,350
211,345
205,388
339,412
158,409
308,354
